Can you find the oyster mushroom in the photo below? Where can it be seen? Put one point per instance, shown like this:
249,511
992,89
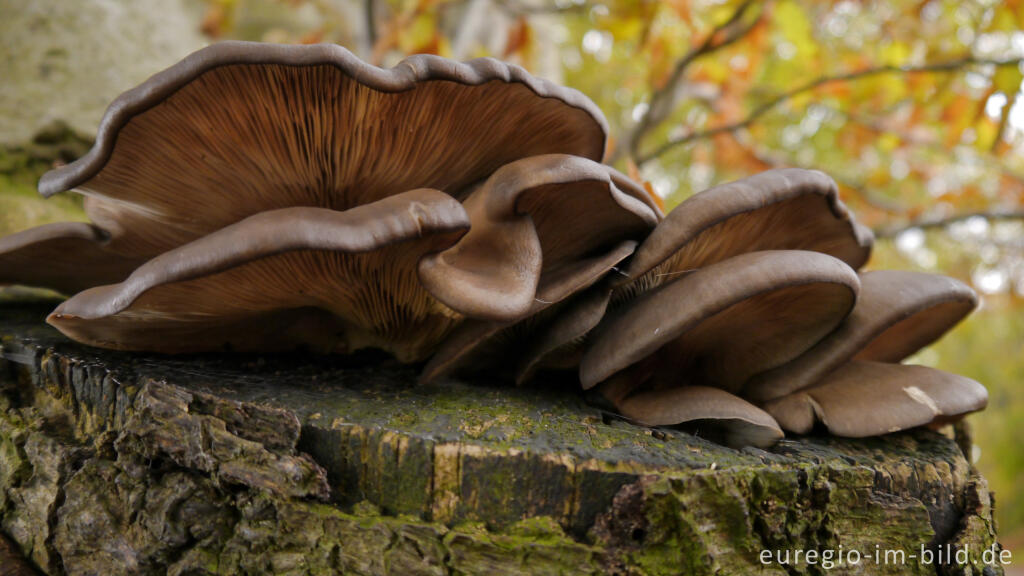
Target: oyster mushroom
851,381
240,128
785,209
282,278
657,358
569,209
898,313
680,353
864,398
711,412
588,218
39,257
721,324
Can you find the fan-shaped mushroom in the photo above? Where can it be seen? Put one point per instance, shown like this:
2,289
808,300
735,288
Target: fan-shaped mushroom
849,381
786,209
565,207
721,324
241,128
309,276
865,398
713,412
898,313
587,218
39,257
681,352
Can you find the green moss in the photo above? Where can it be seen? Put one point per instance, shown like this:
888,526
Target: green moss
21,206
482,481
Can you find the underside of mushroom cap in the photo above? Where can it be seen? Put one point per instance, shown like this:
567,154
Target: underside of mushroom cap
872,398
785,209
64,256
719,325
717,414
543,228
898,313
510,348
239,128
349,277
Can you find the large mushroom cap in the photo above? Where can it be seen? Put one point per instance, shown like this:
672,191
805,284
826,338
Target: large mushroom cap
310,276
717,413
39,257
721,324
898,313
239,128
871,398
785,209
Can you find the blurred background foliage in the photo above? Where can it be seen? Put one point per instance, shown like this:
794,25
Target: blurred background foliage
914,107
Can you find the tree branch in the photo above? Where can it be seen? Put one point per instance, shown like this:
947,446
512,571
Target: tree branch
928,223
664,99
371,21
764,108
870,198
518,8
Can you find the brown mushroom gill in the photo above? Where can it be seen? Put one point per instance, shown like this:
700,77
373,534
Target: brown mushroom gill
39,257
586,218
237,286
785,209
500,349
898,313
719,325
564,207
244,138
241,128
872,398
774,210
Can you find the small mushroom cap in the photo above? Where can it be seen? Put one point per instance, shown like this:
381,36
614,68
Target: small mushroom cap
785,209
871,398
493,346
736,422
898,313
239,128
350,275
64,256
542,227
721,324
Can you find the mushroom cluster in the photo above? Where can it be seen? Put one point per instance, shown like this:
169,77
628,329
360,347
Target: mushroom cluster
261,197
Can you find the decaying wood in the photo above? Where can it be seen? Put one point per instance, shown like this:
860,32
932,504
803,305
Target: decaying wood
114,463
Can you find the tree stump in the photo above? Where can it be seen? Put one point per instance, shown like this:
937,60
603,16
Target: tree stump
114,463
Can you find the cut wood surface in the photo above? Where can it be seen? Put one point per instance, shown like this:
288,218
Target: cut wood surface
115,463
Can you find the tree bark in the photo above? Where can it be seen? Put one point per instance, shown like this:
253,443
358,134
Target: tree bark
114,463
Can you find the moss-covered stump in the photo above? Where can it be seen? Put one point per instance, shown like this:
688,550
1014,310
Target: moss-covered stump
133,464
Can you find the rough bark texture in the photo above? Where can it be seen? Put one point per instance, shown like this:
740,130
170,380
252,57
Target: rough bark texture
133,464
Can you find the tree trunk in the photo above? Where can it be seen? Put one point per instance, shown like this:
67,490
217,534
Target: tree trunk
115,463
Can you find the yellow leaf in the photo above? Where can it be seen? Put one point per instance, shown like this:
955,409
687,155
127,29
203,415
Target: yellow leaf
888,142
895,53
796,28
1007,79
986,132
